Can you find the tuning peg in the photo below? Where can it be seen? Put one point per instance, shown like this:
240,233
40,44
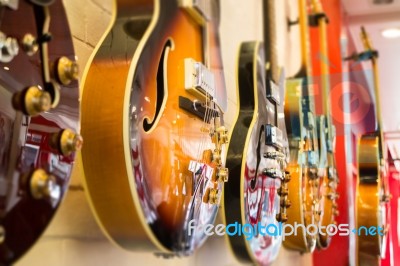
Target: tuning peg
32,101
211,196
222,134
9,48
66,142
335,212
217,157
386,198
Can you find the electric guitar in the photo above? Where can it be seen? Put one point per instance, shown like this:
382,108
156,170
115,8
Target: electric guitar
256,193
152,116
372,191
304,152
39,118
325,130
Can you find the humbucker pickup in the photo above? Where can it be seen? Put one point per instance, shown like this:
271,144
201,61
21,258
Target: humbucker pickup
273,92
273,136
198,109
199,80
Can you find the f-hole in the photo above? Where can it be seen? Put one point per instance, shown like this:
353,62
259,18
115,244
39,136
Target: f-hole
161,86
254,180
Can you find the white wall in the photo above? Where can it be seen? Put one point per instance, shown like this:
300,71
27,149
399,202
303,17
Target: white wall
73,238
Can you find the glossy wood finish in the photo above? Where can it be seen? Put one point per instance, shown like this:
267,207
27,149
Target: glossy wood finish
304,151
250,197
325,129
136,157
24,141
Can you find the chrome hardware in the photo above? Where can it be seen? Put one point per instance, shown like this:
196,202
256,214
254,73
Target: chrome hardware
273,92
66,141
44,186
274,155
332,196
282,217
29,44
273,173
285,203
8,48
198,79
282,191
2,234
66,70
222,174
222,135
217,157
273,136
32,101
211,196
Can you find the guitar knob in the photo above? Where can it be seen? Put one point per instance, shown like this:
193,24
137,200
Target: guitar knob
66,142
32,101
29,44
222,174
8,48
66,70
223,134
281,217
282,191
44,186
285,203
211,196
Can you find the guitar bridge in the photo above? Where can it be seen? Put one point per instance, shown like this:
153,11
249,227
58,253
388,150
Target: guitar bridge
198,109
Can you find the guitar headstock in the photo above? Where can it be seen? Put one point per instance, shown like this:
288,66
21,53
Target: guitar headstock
39,120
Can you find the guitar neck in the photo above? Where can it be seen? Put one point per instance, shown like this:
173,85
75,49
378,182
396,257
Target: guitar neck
325,80
368,46
306,69
270,40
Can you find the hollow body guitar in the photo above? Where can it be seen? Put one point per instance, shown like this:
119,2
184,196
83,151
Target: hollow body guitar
256,160
304,151
39,118
153,102
326,133
372,191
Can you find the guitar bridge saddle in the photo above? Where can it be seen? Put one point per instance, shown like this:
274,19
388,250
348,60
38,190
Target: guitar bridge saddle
199,80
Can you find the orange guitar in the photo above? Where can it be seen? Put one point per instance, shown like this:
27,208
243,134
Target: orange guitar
152,114
39,117
372,192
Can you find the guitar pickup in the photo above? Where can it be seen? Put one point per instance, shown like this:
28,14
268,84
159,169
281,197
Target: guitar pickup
273,92
198,109
199,80
273,136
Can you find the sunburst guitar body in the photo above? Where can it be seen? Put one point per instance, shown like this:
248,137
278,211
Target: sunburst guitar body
152,113
39,120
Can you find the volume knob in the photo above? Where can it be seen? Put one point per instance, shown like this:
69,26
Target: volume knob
32,101
66,141
66,70
44,186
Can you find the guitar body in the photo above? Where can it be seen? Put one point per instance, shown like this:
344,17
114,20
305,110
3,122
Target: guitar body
371,206
34,171
251,195
142,142
328,183
303,185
